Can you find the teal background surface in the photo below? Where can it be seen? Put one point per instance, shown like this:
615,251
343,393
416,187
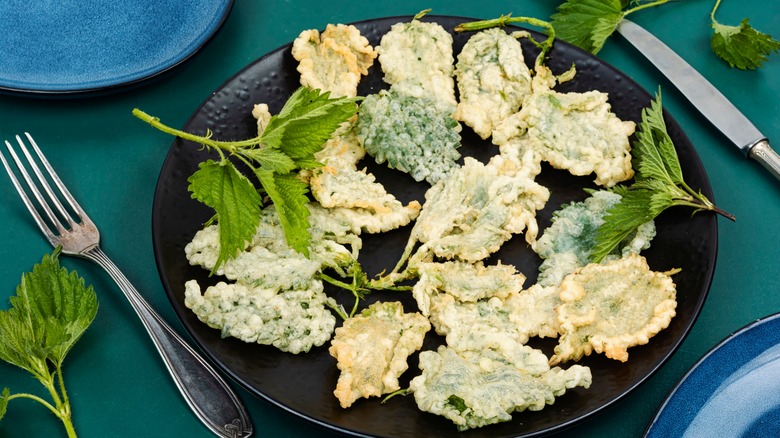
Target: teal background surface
110,160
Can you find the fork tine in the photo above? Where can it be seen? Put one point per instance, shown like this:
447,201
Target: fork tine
57,182
23,194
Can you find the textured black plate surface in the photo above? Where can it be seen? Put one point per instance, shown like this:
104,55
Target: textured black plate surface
303,384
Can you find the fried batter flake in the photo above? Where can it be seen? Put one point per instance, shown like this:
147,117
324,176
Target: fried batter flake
372,349
610,307
478,388
573,131
334,60
291,320
470,214
353,194
464,281
417,61
489,323
568,242
492,79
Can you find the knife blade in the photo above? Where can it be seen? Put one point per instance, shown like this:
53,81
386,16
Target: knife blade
704,96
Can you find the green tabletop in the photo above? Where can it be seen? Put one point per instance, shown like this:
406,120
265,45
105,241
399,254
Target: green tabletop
117,382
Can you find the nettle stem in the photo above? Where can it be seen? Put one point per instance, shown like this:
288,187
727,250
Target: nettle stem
61,411
645,6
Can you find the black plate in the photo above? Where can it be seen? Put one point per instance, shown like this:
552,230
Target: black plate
303,384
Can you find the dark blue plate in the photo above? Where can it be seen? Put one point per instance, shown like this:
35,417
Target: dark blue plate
75,47
733,391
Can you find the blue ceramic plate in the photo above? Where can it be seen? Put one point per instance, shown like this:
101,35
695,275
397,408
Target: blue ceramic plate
733,391
56,47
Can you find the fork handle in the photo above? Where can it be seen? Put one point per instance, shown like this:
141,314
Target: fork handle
207,394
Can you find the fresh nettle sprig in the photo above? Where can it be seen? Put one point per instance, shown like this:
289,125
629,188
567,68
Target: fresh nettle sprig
287,145
589,23
51,310
658,185
741,46
507,19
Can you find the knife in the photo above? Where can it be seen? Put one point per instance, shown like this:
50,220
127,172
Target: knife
704,96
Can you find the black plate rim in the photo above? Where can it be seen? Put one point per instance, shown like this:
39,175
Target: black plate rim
694,160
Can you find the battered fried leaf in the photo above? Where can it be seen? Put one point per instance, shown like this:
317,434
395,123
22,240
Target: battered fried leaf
610,307
477,388
372,350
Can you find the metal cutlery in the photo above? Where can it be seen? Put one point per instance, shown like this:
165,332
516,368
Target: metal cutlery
204,390
704,96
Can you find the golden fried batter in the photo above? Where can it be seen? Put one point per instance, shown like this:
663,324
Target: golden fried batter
334,60
372,348
610,307
572,131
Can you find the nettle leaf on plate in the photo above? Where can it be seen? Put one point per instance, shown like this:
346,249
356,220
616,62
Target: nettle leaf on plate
658,185
306,122
237,203
288,143
288,194
587,23
742,46
271,159
658,156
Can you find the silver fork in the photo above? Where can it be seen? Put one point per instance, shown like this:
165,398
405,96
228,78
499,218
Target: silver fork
207,394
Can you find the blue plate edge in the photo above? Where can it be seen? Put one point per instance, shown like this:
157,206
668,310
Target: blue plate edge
122,84
694,368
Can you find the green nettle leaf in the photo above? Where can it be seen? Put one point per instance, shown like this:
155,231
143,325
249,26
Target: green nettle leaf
271,159
236,202
4,401
742,46
587,23
621,220
52,308
288,194
306,122
62,302
658,156
288,144
658,185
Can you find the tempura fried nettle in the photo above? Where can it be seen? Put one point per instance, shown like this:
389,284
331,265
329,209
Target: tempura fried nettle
573,131
489,323
269,261
292,320
355,193
276,298
482,387
417,60
568,242
334,60
492,80
610,307
350,193
469,215
410,134
372,350
466,282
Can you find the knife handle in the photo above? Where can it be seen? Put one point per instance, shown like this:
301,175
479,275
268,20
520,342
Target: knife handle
764,154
